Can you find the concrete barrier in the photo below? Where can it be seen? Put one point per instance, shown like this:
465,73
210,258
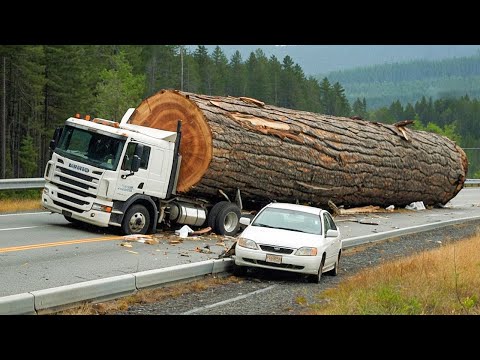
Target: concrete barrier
222,265
54,299
150,278
359,240
20,304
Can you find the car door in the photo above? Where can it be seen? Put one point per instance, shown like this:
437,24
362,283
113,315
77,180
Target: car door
331,244
336,241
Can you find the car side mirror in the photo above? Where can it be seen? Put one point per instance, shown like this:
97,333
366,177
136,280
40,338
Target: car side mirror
245,221
332,233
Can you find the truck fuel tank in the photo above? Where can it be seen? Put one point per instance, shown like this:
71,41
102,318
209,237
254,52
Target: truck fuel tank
189,214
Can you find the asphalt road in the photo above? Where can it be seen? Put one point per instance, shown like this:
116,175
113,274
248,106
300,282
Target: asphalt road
42,250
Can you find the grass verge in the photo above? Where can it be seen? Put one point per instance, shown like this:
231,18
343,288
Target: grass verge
12,201
441,281
150,296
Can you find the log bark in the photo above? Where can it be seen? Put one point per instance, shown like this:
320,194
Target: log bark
272,153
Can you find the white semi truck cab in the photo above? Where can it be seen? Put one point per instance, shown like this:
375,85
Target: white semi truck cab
122,175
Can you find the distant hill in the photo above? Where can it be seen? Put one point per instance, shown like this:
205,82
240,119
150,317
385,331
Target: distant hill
322,59
409,81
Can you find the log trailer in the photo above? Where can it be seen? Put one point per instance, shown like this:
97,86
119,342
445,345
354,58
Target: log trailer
179,157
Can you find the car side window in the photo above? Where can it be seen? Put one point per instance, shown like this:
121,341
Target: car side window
330,222
326,223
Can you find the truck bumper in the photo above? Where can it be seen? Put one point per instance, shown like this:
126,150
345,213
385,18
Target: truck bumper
94,217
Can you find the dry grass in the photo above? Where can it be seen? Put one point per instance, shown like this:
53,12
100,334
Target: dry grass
441,281
16,205
149,296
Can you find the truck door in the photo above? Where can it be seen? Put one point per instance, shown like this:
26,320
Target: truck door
129,184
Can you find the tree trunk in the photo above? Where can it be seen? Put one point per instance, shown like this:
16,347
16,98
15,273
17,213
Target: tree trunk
273,153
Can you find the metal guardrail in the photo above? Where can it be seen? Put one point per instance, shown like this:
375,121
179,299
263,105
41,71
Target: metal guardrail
20,184
38,183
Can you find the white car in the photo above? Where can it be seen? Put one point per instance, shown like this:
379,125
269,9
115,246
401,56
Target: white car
290,237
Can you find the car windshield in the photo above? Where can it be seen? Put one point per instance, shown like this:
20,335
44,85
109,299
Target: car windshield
292,220
90,148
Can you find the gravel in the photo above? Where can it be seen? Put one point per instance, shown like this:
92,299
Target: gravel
289,293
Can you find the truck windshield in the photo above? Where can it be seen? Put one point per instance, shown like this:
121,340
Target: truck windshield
90,148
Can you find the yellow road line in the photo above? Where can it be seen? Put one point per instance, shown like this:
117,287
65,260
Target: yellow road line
59,243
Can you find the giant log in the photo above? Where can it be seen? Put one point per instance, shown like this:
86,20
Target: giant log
272,153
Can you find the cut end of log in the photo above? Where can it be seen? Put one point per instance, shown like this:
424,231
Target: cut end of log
162,111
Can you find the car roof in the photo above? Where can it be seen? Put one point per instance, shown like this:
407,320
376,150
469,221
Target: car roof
304,208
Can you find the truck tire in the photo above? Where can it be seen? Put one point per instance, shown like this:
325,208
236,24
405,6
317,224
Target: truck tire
227,221
136,220
212,214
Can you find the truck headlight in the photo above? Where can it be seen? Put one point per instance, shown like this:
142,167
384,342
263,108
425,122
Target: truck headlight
306,251
247,243
104,208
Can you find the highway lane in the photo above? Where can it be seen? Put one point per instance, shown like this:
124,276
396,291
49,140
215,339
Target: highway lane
43,250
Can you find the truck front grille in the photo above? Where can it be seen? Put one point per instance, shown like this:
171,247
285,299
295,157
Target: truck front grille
58,203
76,190
72,199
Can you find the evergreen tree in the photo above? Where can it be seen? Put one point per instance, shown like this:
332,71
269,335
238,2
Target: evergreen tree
204,64
359,108
341,106
28,157
119,89
327,101
220,73
237,80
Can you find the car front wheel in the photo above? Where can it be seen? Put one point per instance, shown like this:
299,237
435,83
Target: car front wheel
334,271
316,278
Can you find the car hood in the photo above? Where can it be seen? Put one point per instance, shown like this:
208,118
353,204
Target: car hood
278,237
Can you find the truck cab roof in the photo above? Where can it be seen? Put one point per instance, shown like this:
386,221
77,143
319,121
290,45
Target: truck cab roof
124,130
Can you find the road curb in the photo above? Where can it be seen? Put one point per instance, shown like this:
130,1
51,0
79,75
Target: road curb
20,304
170,274
49,300
54,299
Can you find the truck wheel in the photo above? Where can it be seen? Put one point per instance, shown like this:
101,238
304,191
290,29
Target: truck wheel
136,220
212,214
227,220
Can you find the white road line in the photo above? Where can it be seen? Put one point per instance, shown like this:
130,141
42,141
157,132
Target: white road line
226,301
24,227
35,213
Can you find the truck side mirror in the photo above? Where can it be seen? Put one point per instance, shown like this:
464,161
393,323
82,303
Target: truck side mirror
137,158
56,137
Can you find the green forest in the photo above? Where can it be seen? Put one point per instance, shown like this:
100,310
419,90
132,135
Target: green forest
42,85
408,82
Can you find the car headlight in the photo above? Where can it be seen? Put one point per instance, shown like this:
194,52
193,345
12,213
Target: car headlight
306,251
104,208
247,243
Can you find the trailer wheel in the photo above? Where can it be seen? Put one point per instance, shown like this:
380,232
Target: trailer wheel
136,220
212,214
227,221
